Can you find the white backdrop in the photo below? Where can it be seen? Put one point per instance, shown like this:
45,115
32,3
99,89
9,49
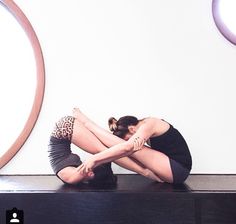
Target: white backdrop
139,57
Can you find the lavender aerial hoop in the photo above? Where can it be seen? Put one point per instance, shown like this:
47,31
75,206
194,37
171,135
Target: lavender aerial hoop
40,86
220,23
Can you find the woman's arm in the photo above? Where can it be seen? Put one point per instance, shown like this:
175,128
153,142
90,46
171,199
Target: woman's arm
108,139
122,149
72,175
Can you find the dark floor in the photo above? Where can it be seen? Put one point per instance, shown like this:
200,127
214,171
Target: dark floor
126,182
202,199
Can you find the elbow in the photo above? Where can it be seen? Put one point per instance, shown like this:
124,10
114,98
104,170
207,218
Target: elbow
71,181
69,178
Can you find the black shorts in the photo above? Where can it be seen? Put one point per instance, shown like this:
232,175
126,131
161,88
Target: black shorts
180,173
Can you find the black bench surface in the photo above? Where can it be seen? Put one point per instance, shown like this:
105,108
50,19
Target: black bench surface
126,182
202,199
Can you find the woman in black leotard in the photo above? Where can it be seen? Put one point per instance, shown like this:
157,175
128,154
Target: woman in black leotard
168,156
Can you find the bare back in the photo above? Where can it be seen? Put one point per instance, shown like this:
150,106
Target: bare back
160,126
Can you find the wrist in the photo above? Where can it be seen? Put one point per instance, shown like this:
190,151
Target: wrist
95,161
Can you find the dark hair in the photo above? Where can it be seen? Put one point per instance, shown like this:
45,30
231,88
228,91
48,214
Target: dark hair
120,127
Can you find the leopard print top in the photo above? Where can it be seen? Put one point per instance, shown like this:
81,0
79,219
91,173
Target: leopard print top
64,128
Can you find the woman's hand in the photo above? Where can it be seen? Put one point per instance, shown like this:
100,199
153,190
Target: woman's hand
87,166
84,176
138,143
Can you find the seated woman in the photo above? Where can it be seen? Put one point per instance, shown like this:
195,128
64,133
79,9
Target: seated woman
65,163
168,158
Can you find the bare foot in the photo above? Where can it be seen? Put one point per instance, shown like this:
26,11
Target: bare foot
149,174
79,115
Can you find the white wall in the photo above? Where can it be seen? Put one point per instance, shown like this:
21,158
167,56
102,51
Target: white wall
146,58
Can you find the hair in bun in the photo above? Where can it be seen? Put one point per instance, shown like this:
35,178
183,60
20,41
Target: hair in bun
121,127
112,123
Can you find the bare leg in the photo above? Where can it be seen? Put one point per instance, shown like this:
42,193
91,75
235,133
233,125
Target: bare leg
103,135
86,140
156,161
153,160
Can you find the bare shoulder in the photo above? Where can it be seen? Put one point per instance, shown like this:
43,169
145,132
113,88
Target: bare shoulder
150,124
158,125
152,120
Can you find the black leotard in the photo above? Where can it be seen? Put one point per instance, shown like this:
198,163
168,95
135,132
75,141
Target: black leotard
174,146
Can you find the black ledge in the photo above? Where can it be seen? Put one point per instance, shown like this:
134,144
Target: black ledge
195,183
202,199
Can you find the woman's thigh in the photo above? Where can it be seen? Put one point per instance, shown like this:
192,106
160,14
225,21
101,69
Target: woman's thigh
85,139
156,161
